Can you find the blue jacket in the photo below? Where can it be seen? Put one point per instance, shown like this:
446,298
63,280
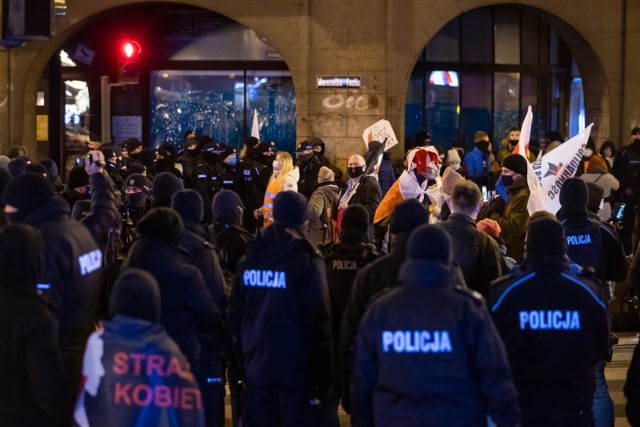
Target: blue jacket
478,166
427,353
554,327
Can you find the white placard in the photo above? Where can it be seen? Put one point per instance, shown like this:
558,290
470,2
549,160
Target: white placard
379,131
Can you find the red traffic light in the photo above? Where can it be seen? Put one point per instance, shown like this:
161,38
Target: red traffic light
130,49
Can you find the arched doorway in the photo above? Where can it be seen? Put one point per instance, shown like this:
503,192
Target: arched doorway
483,68
197,70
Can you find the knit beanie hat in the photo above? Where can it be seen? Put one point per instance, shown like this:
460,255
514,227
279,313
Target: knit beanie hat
17,166
52,168
4,161
136,294
37,168
290,208
27,192
132,143
227,206
77,177
545,236
139,181
574,195
516,163
407,216
429,242
163,224
165,185
450,179
189,205
490,227
355,217
21,249
326,175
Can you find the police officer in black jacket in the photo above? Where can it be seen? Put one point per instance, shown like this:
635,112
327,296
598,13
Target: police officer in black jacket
427,352
554,326
279,317
372,279
72,271
343,260
309,167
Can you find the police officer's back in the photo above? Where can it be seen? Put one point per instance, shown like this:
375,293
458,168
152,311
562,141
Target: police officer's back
427,352
279,319
590,243
554,326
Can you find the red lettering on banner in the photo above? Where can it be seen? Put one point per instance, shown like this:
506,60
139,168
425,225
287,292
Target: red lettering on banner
138,390
155,363
122,394
137,360
162,396
120,366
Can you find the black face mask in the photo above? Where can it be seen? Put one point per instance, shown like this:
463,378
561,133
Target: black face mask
355,172
636,144
483,146
513,143
304,158
507,180
136,200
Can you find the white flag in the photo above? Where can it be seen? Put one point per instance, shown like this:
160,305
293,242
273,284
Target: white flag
255,128
559,165
536,198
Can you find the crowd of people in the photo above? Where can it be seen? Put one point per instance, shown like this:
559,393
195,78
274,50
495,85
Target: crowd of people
152,281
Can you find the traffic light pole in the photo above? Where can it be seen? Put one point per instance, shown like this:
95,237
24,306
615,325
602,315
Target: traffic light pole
105,102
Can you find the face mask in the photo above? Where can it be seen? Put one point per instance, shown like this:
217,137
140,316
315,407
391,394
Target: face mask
136,200
430,173
355,172
277,165
455,166
507,180
513,143
587,153
304,158
231,160
483,146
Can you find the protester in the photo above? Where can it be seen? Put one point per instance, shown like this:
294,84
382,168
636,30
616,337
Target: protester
322,205
135,374
309,166
598,173
284,178
477,162
361,188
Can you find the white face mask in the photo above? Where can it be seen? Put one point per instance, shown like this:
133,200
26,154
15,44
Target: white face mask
588,152
454,165
277,165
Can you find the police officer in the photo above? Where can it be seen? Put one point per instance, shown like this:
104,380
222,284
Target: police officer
256,170
427,352
279,319
343,260
627,170
554,325
309,167
72,268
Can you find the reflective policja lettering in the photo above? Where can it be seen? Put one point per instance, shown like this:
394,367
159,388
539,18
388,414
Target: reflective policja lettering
265,279
555,320
416,342
89,262
581,239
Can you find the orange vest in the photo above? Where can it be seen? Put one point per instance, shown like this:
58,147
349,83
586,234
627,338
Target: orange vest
269,196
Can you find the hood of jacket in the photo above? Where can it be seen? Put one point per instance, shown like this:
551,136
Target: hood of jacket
277,243
158,258
52,210
329,190
426,274
136,294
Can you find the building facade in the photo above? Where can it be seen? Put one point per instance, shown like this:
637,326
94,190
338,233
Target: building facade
389,44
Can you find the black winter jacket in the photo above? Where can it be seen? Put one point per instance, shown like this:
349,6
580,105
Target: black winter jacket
279,313
427,353
475,252
554,326
187,307
368,194
33,389
70,281
103,214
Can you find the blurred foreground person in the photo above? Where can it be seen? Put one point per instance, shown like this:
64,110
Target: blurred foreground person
33,391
